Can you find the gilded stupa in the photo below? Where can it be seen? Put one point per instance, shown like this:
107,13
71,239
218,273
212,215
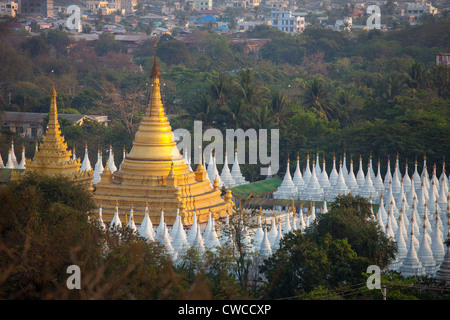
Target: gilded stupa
154,173
52,156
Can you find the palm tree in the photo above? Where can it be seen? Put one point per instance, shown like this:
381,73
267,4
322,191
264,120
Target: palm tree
235,111
316,96
219,84
205,110
278,107
260,118
246,83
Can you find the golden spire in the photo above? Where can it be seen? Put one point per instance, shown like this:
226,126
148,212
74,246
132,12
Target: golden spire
154,139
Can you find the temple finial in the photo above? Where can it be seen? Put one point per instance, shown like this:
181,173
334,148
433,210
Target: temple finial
155,70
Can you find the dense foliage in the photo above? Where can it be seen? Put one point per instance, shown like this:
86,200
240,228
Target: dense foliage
362,92
49,223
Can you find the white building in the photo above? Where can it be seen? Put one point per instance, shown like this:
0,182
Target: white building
203,5
9,8
286,22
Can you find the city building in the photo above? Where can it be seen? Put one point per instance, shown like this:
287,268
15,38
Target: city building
9,8
203,5
286,22
443,58
42,8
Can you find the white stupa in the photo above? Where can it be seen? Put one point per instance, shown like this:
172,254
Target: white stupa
265,249
98,169
9,162
146,227
225,175
86,164
287,189
313,190
111,164
340,187
367,190
323,179
22,160
236,171
411,265
425,254
13,155
333,174
351,182
115,222
406,179
307,172
360,178
378,182
298,179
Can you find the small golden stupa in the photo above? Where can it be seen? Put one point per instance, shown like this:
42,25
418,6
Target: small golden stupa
154,173
52,156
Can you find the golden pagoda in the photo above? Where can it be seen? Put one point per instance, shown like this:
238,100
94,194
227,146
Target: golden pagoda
52,156
154,173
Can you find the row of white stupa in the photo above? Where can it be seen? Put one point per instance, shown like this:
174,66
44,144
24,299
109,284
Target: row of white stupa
316,184
178,238
227,178
419,238
11,161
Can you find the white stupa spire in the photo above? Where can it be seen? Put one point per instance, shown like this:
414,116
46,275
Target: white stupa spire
131,223
193,230
225,176
179,239
146,227
333,174
9,162
360,178
111,164
22,160
437,243
265,249
425,254
198,242
307,172
388,177
298,181
236,171
287,189
13,155
340,187
124,154
259,233
273,232
161,230
351,182
115,222
86,164
406,179
323,179
313,190
417,178
378,182
367,189
317,167
100,219
411,265
98,169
